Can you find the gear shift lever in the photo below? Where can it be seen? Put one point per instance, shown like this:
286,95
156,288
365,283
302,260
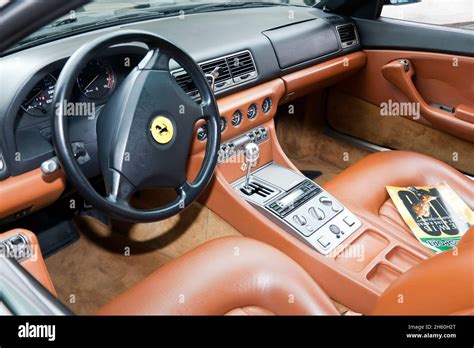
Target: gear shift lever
252,152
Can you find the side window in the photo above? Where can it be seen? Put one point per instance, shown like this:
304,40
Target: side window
449,13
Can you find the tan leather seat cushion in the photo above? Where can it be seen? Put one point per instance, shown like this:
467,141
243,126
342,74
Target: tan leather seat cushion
230,275
441,285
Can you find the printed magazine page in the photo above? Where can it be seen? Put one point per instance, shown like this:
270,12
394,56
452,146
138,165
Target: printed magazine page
436,215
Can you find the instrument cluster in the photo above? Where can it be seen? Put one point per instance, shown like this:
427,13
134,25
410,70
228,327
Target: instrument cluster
96,82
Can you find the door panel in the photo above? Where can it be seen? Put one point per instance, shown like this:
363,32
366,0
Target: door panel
438,79
359,118
440,87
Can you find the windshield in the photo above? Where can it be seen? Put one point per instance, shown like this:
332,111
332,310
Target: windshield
100,13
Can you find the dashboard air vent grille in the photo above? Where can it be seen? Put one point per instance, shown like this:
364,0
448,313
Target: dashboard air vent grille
185,82
241,66
347,34
234,69
224,73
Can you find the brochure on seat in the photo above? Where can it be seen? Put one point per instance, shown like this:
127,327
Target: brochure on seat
436,215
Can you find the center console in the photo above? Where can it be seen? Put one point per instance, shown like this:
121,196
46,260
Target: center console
261,193
300,206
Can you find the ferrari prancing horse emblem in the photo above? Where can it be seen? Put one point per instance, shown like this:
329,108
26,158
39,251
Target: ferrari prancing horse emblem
162,129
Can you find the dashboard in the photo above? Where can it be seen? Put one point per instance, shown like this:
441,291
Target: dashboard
271,44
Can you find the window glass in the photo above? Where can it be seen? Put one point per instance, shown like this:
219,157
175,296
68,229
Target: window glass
450,13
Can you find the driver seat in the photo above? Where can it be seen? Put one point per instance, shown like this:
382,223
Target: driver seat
229,275
242,276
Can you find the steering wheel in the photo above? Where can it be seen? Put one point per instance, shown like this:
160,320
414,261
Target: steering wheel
144,132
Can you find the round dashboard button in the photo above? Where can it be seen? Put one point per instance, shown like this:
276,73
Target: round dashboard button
237,118
202,133
252,111
334,229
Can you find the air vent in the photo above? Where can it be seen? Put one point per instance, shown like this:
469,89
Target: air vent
347,34
224,73
186,83
241,67
234,69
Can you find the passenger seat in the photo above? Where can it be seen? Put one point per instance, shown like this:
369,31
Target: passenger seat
362,187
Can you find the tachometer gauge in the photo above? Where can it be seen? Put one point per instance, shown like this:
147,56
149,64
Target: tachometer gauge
38,101
97,79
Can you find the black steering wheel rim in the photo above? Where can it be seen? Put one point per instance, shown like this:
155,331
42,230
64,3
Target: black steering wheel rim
154,64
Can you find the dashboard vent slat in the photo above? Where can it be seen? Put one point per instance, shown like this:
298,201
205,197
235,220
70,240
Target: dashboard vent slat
347,34
224,74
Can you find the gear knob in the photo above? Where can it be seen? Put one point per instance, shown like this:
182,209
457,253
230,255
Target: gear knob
252,152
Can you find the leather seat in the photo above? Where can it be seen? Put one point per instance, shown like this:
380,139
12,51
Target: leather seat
441,285
230,275
241,276
361,187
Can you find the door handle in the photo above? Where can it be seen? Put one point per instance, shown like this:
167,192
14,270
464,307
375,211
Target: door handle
400,73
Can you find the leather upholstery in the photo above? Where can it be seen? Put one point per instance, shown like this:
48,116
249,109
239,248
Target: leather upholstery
362,186
437,79
403,79
32,190
35,263
389,212
241,276
250,310
441,285
230,275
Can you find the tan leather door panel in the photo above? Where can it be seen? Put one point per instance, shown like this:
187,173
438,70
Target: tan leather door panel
355,105
440,78
401,73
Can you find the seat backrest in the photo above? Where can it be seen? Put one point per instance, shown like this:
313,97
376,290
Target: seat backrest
441,285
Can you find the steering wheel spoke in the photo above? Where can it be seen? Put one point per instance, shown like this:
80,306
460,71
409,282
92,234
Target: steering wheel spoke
155,59
118,189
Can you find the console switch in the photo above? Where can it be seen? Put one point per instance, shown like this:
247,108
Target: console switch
323,241
334,229
349,221
300,220
317,213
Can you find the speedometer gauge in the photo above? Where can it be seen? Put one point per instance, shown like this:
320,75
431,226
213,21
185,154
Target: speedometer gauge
97,79
38,101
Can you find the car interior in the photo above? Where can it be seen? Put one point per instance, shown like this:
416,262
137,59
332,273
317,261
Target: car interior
229,158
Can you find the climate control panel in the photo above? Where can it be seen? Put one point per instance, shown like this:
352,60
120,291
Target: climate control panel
323,222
